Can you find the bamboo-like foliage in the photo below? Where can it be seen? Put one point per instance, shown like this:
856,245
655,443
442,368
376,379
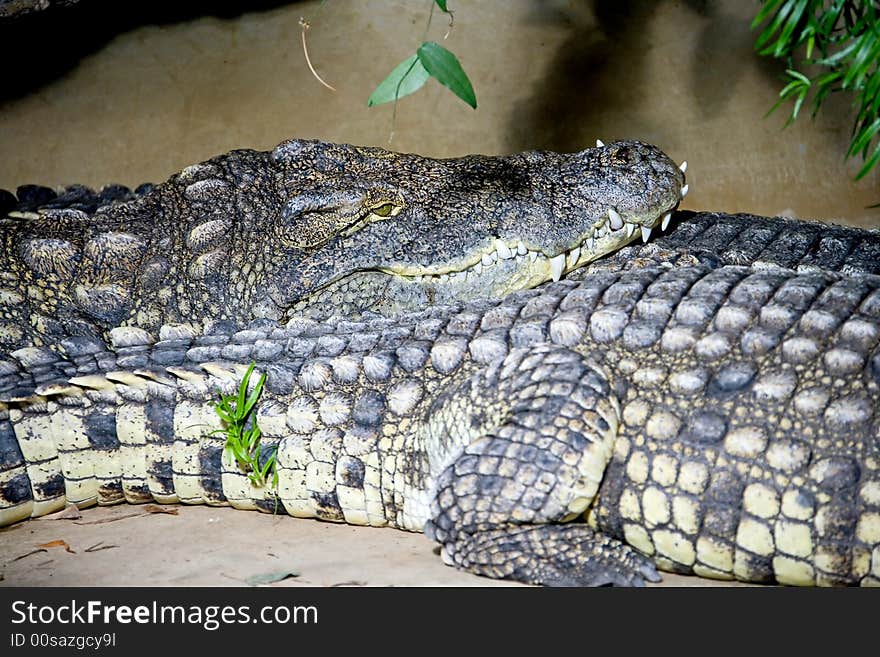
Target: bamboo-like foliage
829,46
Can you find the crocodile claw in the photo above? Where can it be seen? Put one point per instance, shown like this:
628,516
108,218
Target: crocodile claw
570,554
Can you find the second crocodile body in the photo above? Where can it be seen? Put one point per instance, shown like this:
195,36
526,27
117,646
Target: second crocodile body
667,410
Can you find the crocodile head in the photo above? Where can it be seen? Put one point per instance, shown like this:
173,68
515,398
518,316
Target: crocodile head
323,229
368,228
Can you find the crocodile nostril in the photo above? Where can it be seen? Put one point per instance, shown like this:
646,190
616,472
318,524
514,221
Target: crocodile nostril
624,156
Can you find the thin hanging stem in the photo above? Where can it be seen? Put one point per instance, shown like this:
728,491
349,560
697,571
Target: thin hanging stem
305,26
396,93
403,77
428,24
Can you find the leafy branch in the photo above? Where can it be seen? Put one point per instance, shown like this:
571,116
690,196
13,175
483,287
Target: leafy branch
431,60
845,37
243,441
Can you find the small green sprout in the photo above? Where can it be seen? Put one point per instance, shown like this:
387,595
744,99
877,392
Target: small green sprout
243,442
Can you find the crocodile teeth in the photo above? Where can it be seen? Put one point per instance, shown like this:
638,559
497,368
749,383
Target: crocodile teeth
533,255
646,233
573,256
590,243
614,219
684,166
684,191
488,259
600,143
478,268
665,223
557,264
521,248
503,250
630,229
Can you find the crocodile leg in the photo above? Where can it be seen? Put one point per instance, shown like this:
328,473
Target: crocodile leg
570,554
538,444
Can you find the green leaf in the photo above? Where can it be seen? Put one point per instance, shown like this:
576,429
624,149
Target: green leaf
444,66
870,164
255,394
271,577
866,56
224,405
775,25
789,27
407,77
839,55
270,462
442,5
254,437
770,6
242,389
799,76
863,138
797,105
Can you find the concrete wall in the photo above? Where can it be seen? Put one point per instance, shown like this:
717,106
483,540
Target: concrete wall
129,101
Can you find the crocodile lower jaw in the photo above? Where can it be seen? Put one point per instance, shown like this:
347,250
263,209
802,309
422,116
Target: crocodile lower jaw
606,236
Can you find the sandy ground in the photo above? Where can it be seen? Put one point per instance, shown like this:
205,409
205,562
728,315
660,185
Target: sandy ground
203,546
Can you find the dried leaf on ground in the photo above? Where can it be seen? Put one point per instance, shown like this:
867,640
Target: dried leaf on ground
352,582
70,512
113,519
270,577
156,508
97,547
58,543
27,554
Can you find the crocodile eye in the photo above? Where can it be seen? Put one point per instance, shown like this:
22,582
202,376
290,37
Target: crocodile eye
383,210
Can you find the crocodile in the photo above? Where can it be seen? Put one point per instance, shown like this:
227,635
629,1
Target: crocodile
311,229
706,403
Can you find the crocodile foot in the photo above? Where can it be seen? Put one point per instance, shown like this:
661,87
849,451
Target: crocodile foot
510,504
551,555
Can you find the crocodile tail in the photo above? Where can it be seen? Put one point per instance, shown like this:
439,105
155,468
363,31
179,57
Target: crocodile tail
88,426
22,374
100,446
